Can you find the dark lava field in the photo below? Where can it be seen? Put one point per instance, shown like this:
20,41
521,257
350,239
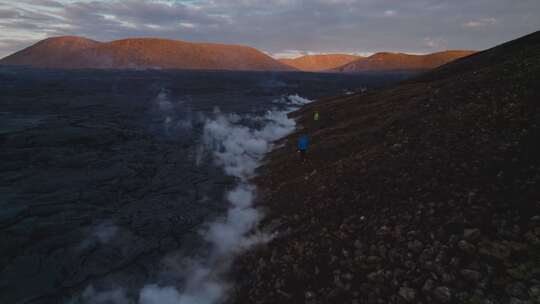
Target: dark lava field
101,175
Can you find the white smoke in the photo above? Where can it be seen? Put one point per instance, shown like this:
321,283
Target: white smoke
298,100
176,117
239,150
105,232
112,296
100,234
163,102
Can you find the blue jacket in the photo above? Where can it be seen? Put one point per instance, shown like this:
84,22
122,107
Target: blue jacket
303,143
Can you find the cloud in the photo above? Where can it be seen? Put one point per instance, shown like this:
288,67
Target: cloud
390,13
275,26
297,53
435,43
480,22
187,24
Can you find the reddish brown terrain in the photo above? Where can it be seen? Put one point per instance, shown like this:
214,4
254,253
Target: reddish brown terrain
316,63
426,192
76,52
400,61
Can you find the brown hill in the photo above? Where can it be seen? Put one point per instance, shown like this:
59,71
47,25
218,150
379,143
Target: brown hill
49,52
400,61
426,192
76,52
321,62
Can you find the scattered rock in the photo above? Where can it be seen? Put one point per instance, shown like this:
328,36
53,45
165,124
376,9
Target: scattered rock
517,301
376,277
447,278
454,226
309,295
516,246
466,247
534,293
284,294
262,264
518,290
407,293
428,285
472,235
442,294
415,246
373,259
520,272
494,250
472,276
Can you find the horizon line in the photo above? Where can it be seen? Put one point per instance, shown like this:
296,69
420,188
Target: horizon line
285,54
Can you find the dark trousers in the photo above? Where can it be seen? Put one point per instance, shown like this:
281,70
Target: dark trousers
302,154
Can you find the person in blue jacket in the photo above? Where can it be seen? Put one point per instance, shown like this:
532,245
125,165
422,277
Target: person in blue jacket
303,143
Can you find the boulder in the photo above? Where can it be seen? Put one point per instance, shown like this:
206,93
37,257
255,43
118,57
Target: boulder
472,235
517,290
408,294
442,294
471,276
494,250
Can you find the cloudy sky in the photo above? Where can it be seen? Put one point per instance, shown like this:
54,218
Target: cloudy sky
278,27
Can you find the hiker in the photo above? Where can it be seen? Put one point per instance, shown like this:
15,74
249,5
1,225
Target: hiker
316,120
303,143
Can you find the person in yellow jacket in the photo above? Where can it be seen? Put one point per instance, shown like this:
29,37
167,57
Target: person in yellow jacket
316,120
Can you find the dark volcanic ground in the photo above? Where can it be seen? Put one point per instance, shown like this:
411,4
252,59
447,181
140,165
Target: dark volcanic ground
98,174
425,192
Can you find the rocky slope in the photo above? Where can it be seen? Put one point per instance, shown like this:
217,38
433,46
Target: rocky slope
427,192
399,61
76,52
315,63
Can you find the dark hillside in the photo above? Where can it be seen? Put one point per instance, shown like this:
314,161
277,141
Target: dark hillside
517,52
427,192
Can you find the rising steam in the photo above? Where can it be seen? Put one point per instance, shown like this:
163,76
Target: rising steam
238,150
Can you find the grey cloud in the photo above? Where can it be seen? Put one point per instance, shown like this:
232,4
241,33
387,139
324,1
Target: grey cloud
278,25
47,3
8,14
8,46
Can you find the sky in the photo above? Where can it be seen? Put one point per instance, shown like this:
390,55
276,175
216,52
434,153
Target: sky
281,28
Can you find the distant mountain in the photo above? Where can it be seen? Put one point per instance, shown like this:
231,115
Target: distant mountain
71,52
399,61
315,63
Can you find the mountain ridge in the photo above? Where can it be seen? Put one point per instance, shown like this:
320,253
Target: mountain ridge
73,52
320,62
386,61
